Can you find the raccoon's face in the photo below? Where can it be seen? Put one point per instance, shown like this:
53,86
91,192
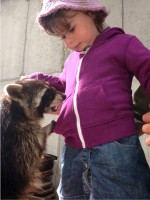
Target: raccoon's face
36,97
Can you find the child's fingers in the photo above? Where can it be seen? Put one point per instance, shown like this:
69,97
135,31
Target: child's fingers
22,78
25,78
146,128
148,141
146,117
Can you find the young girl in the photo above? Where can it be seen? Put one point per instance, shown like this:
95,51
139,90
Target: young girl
102,157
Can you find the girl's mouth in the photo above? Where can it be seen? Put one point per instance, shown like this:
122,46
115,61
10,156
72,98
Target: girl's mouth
77,47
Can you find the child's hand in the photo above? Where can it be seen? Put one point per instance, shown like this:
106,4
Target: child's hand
32,76
22,78
146,127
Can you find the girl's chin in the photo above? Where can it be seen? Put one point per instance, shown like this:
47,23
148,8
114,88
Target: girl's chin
80,49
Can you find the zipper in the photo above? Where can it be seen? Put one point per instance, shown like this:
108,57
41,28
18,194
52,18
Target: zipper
78,123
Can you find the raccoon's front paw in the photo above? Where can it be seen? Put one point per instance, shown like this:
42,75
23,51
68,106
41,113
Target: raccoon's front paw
53,123
49,128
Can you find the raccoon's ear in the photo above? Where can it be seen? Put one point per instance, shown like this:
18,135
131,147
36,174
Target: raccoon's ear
13,90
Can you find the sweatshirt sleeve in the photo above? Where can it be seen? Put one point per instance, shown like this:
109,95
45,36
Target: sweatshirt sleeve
138,62
58,82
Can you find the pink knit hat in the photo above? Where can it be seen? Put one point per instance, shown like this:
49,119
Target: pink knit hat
51,6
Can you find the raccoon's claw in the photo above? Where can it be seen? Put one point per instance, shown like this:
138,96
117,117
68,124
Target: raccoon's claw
53,123
49,128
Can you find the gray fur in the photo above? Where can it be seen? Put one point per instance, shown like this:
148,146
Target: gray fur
22,138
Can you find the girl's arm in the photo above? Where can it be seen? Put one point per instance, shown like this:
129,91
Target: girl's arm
138,62
146,127
57,82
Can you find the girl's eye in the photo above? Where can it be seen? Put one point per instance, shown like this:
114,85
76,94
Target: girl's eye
72,29
63,37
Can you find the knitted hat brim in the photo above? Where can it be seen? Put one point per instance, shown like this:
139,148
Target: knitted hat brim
51,8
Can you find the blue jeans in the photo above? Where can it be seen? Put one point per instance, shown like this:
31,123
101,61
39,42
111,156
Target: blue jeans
117,170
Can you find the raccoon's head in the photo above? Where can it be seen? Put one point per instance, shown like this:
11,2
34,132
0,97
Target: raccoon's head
36,97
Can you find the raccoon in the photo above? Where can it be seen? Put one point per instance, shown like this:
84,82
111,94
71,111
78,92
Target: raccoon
22,138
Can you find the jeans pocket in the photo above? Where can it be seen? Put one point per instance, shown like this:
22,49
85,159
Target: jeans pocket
129,142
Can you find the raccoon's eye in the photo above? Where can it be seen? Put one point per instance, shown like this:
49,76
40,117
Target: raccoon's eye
48,97
46,100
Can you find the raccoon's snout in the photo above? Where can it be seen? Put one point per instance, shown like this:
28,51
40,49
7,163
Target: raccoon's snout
57,102
54,108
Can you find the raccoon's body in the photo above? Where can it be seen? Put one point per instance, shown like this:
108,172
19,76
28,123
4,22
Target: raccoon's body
22,138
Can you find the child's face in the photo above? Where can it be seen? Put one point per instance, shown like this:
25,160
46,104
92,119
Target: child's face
82,33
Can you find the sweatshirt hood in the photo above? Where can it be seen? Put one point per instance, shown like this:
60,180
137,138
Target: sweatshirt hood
107,34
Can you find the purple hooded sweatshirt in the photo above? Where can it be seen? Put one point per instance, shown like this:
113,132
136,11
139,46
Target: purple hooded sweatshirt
98,107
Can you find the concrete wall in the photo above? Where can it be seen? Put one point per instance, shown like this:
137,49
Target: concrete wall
26,49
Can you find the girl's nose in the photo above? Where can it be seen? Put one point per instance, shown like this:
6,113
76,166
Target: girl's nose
68,40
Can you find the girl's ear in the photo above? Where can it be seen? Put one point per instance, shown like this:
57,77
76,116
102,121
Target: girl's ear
13,90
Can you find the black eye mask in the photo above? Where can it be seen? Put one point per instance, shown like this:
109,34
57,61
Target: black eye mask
46,100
